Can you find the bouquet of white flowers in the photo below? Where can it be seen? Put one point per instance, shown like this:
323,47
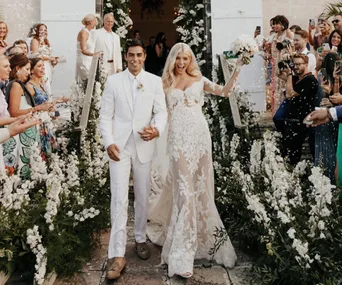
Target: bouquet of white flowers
244,46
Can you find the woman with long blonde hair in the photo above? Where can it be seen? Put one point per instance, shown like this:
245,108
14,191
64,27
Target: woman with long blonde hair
191,221
3,36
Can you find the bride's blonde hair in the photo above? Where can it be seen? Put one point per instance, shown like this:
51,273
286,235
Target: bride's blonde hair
169,76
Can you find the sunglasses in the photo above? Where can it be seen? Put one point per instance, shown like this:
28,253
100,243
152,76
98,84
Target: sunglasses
335,21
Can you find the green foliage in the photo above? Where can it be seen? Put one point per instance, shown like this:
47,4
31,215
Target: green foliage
331,9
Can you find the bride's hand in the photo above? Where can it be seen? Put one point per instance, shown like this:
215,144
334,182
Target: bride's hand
239,62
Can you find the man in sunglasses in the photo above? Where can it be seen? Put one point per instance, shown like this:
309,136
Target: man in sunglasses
337,22
300,91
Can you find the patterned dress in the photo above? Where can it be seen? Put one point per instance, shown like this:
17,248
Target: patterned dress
17,150
48,142
192,226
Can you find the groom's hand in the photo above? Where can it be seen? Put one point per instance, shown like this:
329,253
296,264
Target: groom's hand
113,152
149,133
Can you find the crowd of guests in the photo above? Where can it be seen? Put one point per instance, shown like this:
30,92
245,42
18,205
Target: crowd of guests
303,71
25,99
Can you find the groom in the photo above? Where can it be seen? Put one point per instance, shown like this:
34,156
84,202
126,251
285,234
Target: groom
133,114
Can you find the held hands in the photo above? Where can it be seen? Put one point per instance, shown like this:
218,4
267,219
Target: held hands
149,133
113,152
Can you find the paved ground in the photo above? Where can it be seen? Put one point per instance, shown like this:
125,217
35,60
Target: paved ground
139,272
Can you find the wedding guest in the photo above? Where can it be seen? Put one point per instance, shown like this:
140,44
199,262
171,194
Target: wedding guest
136,35
19,125
158,55
108,42
188,229
337,22
85,48
35,87
149,53
40,47
3,36
301,89
14,50
326,58
283,36
5,70
30,36
295,28
321,34
21,44
20,102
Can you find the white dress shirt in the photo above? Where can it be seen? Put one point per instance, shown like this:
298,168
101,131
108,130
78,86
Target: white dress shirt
136,85
110,39
312,61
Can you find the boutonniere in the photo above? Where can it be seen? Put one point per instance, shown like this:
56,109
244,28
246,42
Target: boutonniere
140,86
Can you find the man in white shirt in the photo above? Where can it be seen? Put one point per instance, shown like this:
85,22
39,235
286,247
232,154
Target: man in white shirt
108,42
133,113
299,41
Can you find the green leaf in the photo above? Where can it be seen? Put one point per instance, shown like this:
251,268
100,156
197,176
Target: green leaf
27,152
25,159
9,146
25,172
29,137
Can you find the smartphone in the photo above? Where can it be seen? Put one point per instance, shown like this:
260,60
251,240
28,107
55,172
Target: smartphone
338,64
312,22
324,74
258,28
326,46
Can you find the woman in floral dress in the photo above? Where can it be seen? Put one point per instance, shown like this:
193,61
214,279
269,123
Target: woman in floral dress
48,142
17,151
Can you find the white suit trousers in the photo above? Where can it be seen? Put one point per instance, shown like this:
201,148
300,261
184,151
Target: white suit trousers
119,183
108,68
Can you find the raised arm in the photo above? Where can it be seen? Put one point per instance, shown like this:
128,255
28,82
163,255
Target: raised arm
219,90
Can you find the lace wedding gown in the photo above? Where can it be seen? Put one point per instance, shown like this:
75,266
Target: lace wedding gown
185,208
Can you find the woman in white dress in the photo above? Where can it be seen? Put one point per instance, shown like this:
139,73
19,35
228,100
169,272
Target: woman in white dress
186,207
85,48
40,47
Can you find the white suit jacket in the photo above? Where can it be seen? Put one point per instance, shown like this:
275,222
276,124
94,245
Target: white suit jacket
102,43
118,116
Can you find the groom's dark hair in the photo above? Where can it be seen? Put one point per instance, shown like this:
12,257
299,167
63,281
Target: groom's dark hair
134,43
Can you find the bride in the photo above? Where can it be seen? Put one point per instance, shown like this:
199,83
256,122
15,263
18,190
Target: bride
85,48
191,226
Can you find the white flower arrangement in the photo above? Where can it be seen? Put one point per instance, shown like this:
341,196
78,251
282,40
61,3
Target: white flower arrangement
244,46
34,240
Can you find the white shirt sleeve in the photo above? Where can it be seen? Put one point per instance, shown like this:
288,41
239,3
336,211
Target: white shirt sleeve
333,113
312,63
4,135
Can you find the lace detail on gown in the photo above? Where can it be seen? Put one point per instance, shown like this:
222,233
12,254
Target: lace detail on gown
191,222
